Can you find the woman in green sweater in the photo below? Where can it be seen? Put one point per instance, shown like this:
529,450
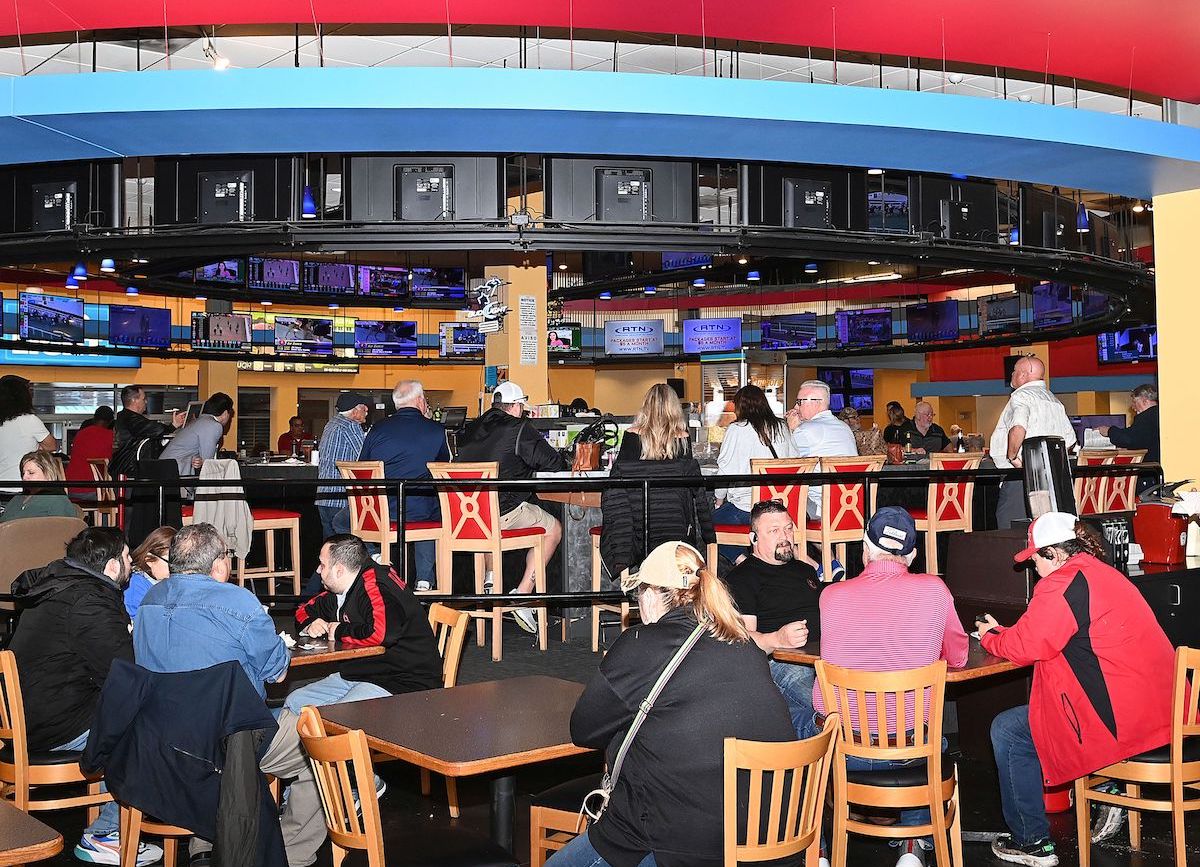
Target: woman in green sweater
37,503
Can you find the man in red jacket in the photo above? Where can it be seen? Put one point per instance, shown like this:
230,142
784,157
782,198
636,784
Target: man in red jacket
1102,680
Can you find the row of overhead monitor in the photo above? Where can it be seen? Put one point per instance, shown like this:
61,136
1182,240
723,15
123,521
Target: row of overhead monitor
60,320
420,286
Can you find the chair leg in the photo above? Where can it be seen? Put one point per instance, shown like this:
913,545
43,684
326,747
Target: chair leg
271,562
1083,830
497,611
480,622
537,852
452,796
595,589
1135,817
425,788
93,812
444,562
826,561
170,851
937,816
1177,815
543,614
956,849
837,848
131,833
931,552
296,557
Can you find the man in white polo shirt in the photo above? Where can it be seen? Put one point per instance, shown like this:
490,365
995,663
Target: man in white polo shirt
817,432
1032,411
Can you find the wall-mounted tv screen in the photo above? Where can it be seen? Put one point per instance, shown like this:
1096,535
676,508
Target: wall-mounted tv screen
49,317
334,278
564,338
373,337
834,377
276,274
383,281
228,271
633,337
1051,304
303,335
712,335
1095,303
459,338
998,313
931,322
439,286
225,331
781,333
871,327
837,401
139,326
862,377
863,402
1128,345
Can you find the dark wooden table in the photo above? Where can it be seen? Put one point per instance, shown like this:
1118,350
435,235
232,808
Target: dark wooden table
980,663
467,730
329,651
24,839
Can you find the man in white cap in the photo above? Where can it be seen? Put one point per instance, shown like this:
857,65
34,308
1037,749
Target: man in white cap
502,435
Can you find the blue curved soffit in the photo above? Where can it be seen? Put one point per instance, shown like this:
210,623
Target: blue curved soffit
94,116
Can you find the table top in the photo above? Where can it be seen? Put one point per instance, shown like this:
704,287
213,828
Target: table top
586,499
24,839
329,651
472,729
980,663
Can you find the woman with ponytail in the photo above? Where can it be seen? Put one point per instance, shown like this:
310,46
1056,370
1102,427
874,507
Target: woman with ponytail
1102,682
665,807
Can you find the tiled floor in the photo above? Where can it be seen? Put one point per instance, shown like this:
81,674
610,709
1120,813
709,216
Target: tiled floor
404,808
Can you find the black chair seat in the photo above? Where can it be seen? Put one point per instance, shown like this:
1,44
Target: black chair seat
1162,755
911,775
437,846
567,796
58,757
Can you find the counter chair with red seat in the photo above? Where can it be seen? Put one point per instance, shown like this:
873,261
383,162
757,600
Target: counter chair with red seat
845,507
948,503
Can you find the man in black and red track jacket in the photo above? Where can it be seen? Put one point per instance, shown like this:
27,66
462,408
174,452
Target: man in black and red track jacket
366,605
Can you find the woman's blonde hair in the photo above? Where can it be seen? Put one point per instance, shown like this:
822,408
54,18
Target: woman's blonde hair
51,468
660,423
708,598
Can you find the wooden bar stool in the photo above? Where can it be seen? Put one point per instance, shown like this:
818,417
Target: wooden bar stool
267,521
1088,491
103,513
622,609
845,507
449,627
1118,493
794,497
134,823
554,817
948,504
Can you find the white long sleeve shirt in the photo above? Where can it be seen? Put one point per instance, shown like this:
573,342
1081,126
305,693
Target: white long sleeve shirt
740,446
1034,408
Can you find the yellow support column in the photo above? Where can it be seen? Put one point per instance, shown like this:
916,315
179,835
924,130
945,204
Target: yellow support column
1176,224
217,376
521,345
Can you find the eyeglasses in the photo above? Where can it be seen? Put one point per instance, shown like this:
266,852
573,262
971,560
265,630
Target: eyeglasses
801,400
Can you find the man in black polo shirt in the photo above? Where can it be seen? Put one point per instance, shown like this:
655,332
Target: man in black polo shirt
777,591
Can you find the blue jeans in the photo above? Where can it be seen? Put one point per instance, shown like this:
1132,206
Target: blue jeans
580,853
1020,773
334,520
332,690
109,820
796,683
728,513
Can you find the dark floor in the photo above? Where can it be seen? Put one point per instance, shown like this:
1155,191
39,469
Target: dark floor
404,808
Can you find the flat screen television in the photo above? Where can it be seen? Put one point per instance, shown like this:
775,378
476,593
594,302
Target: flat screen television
834,377
439,286
375,337
863,402
564,338
929,323
712,335
871,327
303,335
459,338
51,318
1128,345
332,278
383,281
633,337
1082,422
837,401
999,313
1051,305
223,331
862,377
228,271
139,326
275,274
780,333
1095,304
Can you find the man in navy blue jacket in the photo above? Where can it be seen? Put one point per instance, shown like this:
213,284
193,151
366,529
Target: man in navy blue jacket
406,442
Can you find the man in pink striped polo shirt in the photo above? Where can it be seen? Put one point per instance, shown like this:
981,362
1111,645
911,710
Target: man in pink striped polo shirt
889,619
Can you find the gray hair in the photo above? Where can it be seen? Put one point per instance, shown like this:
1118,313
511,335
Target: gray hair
872,552
407,392
1146,391
195,549
815,383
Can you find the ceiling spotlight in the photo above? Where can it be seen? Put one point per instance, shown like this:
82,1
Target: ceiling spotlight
872,261
1149,206
201,297
753,277
742,260
1138,208
308,204
107,266
606,296
218,60
266,303
80,271
874,171
811,268
562,267
140,261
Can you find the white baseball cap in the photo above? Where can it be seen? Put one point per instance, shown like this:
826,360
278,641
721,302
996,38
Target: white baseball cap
660,569
1050,529
509,392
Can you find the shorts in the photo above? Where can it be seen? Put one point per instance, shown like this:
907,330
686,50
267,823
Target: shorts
527,515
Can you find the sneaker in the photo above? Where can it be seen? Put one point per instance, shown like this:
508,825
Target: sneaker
837,570
1039,854
487,582
1107,818
380,791
822,861
106,849
423,586
525,618
912,854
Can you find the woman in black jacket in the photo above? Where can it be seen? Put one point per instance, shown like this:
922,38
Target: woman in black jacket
655,447
666,806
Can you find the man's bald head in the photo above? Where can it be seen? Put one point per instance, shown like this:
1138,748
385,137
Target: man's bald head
1029,369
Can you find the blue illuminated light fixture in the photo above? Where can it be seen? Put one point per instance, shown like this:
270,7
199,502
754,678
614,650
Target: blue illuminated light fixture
131,290
397,309
71,283
107,266
1083,222
811,268
1014,236
80,271
753,277
698,282
650,290
605,296
308,204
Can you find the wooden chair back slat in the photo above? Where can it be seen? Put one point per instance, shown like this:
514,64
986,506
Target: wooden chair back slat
793,496
450,629
1089,491
846,506
949,504
1118,493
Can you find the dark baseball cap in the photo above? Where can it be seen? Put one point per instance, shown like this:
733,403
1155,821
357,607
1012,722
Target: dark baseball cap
348,400
893,529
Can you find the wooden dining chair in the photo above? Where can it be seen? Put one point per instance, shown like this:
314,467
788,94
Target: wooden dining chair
103,511
370,516
948,503
24,772
845,507
794,776
1118,492
471,524
1175,765
622,609
914,699
30,543
555,818
449,627
1089,490
134,823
